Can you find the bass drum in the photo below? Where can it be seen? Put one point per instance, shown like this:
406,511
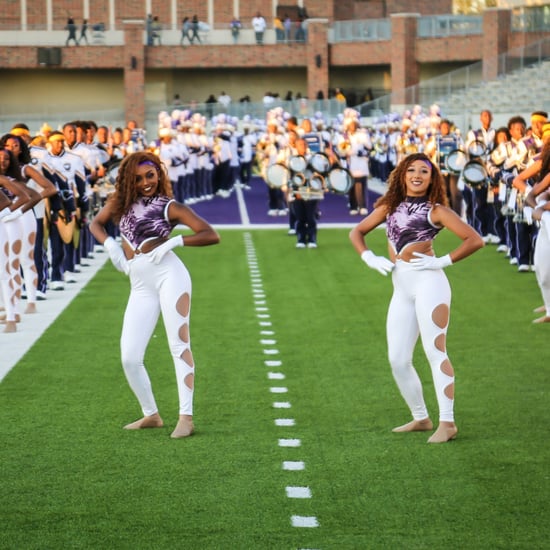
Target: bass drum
277,175
475,174
340,181
320,163
455,161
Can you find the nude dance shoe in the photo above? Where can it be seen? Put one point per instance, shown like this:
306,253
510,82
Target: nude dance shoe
545,319
446,431
184,428
424,425
540,309
153,421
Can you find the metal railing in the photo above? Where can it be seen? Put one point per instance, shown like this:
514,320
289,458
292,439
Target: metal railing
435,90
438,26
366,30
531,19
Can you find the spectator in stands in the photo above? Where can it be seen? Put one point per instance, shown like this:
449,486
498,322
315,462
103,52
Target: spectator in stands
287,24
157,28
279,30
300,35
259,25
83,31
339,95
235,26
71,27
186,26
195,30
224,99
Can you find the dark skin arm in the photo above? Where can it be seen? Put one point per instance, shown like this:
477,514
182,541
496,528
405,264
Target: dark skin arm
18,189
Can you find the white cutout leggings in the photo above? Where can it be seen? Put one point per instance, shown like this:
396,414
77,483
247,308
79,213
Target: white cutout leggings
542,263
156,289
416,295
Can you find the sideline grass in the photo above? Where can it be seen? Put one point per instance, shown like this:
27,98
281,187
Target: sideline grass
72,478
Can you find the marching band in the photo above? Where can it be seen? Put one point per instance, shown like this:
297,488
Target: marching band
489,174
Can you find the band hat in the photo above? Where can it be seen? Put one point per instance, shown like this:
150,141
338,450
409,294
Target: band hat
538,118
546,130
56,136
45,128
19,132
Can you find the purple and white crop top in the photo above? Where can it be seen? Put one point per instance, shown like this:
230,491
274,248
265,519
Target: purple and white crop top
147,219
411,223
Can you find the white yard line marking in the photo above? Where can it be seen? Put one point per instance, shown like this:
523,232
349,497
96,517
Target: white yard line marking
294,465
260,303
298,492
281,405
304,521
285,422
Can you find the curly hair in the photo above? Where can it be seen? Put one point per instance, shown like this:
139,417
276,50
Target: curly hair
24,156
397,188
125,193
13,170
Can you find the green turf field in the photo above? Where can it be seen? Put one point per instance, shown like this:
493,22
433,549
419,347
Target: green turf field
72,478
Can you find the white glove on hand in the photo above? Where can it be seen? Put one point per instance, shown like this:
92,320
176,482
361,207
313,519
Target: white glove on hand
5,212
159,252
423,261
13,215
117,255
381,264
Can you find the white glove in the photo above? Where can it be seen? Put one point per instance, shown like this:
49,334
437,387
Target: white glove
5,212
159,252
423,261
13,215
117,255
381,264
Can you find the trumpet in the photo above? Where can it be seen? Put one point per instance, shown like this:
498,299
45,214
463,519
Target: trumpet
343,147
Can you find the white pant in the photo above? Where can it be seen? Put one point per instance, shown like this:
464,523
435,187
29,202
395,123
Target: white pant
159,288
6,295
420,305
28,221
542,263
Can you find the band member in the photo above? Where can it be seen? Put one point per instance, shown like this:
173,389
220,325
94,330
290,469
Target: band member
480,200
143,207
66,171
414,212
267,150
494,162
438,149
305,208
34,262
360,146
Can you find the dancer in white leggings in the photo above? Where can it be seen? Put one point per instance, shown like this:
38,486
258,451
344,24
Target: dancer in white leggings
143,206
539,197
414,210
10,241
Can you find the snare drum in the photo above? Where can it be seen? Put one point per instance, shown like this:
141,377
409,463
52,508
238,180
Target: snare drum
339,181
320,163
277,175
474,174
455,161
297,163
477,148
